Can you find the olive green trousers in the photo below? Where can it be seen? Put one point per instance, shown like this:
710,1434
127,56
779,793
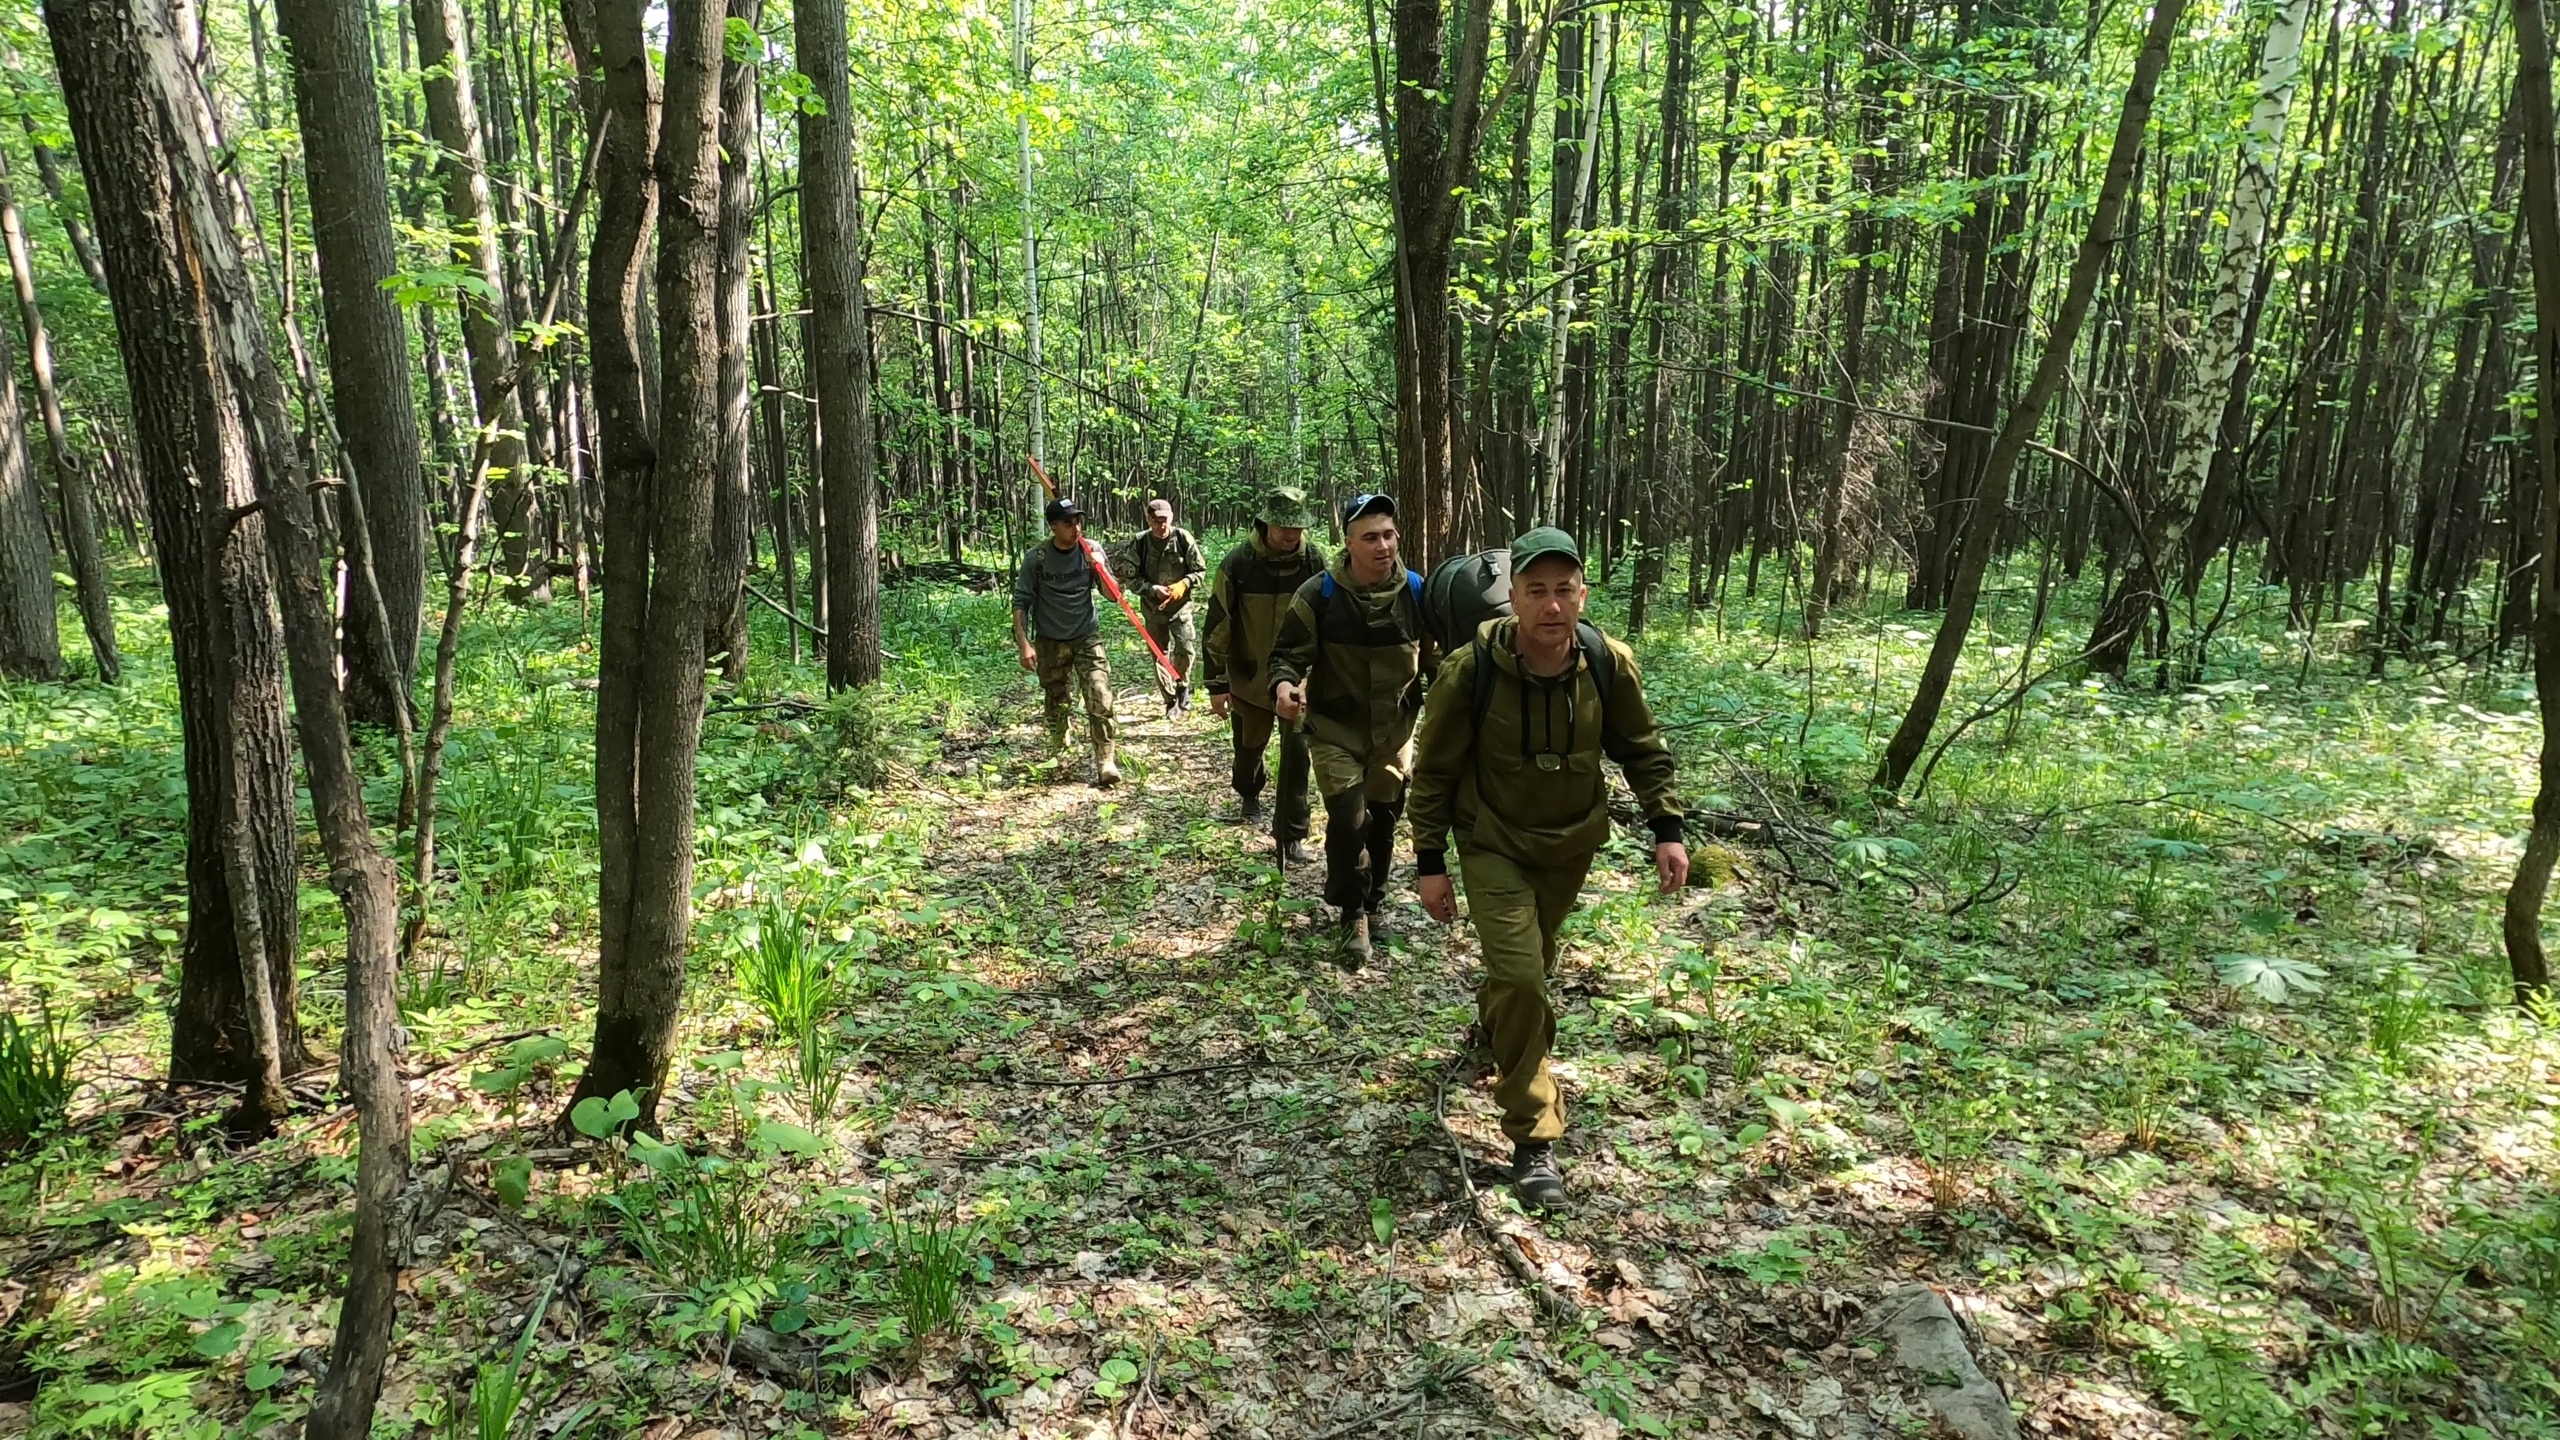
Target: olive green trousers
1517,910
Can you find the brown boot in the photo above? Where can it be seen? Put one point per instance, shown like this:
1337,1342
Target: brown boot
1351,946
1106,765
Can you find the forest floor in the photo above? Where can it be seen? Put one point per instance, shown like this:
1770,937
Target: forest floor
2164,1035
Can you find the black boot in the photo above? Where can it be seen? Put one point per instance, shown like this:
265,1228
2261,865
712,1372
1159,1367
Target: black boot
1294,852
1248,809
1534,1178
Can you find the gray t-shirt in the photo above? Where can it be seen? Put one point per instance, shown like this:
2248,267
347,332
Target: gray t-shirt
1055,587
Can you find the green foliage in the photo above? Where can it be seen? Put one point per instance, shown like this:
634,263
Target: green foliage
35,1076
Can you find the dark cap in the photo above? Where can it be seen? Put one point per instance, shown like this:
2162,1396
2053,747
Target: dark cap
1063,508
1359,506
1539,544
1160,506
1286,507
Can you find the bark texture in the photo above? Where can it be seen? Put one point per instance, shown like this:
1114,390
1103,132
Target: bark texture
840,363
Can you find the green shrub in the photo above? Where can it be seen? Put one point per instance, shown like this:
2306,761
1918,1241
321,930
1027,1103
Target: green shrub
35,1076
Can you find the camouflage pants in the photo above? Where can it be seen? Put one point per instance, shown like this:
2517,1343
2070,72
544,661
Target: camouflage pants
1070,666
1179,636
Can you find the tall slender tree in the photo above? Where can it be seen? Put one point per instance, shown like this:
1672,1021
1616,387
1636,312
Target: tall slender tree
334,95
2526,959
831,239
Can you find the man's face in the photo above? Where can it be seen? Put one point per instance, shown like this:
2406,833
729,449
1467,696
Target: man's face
1548,597
1066,534
1373,545
1160,523
1285,539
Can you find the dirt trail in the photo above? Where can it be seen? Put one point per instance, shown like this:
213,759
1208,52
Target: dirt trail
1281,1240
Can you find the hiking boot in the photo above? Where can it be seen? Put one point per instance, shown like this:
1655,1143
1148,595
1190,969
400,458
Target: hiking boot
1106,766
1294,852
1248,809
1182,699
1534,1177
1377,923
1351,947
1172,704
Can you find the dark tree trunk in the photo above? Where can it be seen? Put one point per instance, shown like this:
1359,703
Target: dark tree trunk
840,350
2523,918
70,475
657,593
333,91
733,509
243,920
74,228
233,325
30,639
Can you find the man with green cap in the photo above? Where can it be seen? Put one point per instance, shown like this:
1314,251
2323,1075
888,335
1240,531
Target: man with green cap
1508,764
1350,659
1057,633
1246,600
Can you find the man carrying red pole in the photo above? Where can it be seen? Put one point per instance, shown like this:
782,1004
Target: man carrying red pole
1057,633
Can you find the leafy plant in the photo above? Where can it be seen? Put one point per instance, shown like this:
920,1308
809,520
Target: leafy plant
2272,978
785,969
928,1261
35,1076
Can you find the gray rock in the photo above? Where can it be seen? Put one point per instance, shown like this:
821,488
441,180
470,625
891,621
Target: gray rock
1928,1342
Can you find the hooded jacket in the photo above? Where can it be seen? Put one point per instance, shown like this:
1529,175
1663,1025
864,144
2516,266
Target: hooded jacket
1362,653
1175,562
1246,600
1528,785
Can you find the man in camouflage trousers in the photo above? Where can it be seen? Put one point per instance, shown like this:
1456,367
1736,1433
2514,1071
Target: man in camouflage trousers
1057,633
1164,566
1246,600
1350,660
1509,765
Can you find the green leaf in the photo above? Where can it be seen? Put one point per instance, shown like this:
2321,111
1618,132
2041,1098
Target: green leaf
221,1340
500,1082
1382,1219
263,1376
775,1137
1750,1135
591,1118
1789,1113
512,1178
1119,1371
2273,978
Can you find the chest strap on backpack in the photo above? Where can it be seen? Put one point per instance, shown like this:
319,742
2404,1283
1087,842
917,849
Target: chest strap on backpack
1595,653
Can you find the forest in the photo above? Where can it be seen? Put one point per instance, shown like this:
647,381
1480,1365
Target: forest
533,902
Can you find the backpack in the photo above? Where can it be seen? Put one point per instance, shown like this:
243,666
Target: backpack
1412,581
1464,591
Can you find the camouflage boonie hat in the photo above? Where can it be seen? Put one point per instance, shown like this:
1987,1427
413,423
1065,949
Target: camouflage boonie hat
1286,507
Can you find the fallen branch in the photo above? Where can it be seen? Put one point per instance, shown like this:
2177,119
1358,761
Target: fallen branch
1257,1058
1557,1307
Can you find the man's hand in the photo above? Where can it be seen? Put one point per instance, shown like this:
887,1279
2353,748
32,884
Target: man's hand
1439,897
1671,862
1218,705
1030,658
1289,698
1156,594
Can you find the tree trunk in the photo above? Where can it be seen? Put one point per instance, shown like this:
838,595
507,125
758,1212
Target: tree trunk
30,640
2523,919
733,507
232,324
333,91
488,329
76,230
658,589
243,922
70,473
2198,410
1981,519
839,359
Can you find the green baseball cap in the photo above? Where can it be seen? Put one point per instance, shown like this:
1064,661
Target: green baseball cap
1286,507
1541,543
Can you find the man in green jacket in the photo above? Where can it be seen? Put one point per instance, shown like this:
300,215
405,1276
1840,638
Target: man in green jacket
1164,567
1246,600
1509,765
1350,660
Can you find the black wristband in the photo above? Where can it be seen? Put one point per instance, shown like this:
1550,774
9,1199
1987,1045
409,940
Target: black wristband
1668,830
1430,862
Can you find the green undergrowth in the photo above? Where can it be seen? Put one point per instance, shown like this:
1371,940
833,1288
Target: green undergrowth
2170,1025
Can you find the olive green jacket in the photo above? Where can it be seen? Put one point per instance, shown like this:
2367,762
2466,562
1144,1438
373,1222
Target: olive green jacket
1175,562
1362,654
1527,785
1246,600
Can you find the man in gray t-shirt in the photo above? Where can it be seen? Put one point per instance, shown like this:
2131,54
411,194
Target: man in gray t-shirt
1057,633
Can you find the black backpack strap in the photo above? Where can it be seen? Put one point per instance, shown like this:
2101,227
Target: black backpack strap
1602,660
1479,703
